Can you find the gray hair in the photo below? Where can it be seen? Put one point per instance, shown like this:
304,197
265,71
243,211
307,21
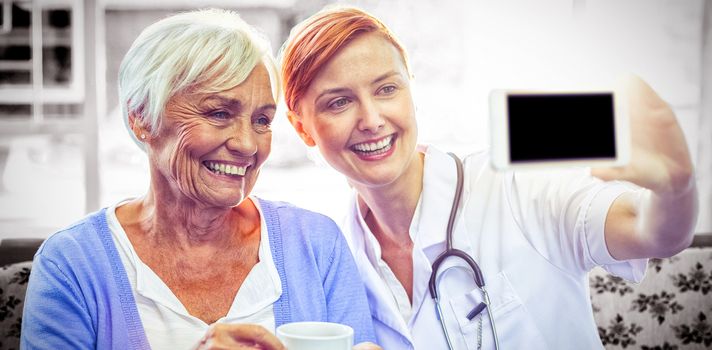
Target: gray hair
213,50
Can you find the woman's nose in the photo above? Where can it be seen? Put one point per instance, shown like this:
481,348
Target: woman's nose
241,139
371,118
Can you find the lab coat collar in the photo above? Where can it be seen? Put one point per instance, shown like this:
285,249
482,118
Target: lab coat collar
429,225
439,183
430,222
428,230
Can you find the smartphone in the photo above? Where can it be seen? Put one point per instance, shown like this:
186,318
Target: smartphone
534,129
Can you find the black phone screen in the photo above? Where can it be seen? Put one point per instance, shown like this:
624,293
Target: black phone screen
550,127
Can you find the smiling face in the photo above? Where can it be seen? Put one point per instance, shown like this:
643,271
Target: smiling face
210,146
359,111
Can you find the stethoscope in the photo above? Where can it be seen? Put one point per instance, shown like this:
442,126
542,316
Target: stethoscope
479,280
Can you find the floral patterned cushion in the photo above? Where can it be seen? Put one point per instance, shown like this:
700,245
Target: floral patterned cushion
13,283
670,309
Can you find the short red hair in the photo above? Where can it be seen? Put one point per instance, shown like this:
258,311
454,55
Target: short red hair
313,42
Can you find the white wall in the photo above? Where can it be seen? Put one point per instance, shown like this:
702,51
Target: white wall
460,50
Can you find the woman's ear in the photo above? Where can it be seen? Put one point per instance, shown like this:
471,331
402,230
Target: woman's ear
299,127
137,127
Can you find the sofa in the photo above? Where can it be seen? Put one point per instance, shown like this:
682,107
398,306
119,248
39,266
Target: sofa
670,310
15,265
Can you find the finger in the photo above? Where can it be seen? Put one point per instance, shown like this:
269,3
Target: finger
366,346
217,345
252,334
225,342
641,92
203,344
609,174
218,337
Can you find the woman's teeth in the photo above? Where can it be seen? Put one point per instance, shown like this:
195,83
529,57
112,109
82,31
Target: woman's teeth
226,169
374,147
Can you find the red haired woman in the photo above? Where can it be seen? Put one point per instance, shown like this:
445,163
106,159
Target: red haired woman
534,235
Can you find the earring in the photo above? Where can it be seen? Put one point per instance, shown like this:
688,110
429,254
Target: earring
143,136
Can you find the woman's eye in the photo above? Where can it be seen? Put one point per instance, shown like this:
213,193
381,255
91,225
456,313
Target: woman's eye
338,103
264,121
388,89
219,114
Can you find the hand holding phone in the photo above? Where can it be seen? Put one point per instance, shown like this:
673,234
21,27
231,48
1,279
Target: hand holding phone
628,133
660,159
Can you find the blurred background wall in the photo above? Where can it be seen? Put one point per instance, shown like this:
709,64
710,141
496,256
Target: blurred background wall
64,150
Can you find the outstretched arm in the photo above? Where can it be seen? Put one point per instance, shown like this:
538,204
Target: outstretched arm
659,222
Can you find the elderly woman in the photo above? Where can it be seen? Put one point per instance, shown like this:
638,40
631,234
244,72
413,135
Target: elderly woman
198,92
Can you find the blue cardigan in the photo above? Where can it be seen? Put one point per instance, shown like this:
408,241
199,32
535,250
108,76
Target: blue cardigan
79,296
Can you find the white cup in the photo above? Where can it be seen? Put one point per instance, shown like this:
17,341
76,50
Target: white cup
316,336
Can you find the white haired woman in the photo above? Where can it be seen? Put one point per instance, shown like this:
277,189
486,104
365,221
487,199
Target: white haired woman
196,261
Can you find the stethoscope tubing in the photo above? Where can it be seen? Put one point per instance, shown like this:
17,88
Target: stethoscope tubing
491,317
452,252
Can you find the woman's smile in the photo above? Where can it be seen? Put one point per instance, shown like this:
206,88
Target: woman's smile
226,168
375,149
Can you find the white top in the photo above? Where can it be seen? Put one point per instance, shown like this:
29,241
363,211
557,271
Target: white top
167,323
400,295
535,236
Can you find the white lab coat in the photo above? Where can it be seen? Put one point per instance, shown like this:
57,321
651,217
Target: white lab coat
535,236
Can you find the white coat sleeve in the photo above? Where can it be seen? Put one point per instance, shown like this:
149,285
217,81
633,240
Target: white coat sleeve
563,213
